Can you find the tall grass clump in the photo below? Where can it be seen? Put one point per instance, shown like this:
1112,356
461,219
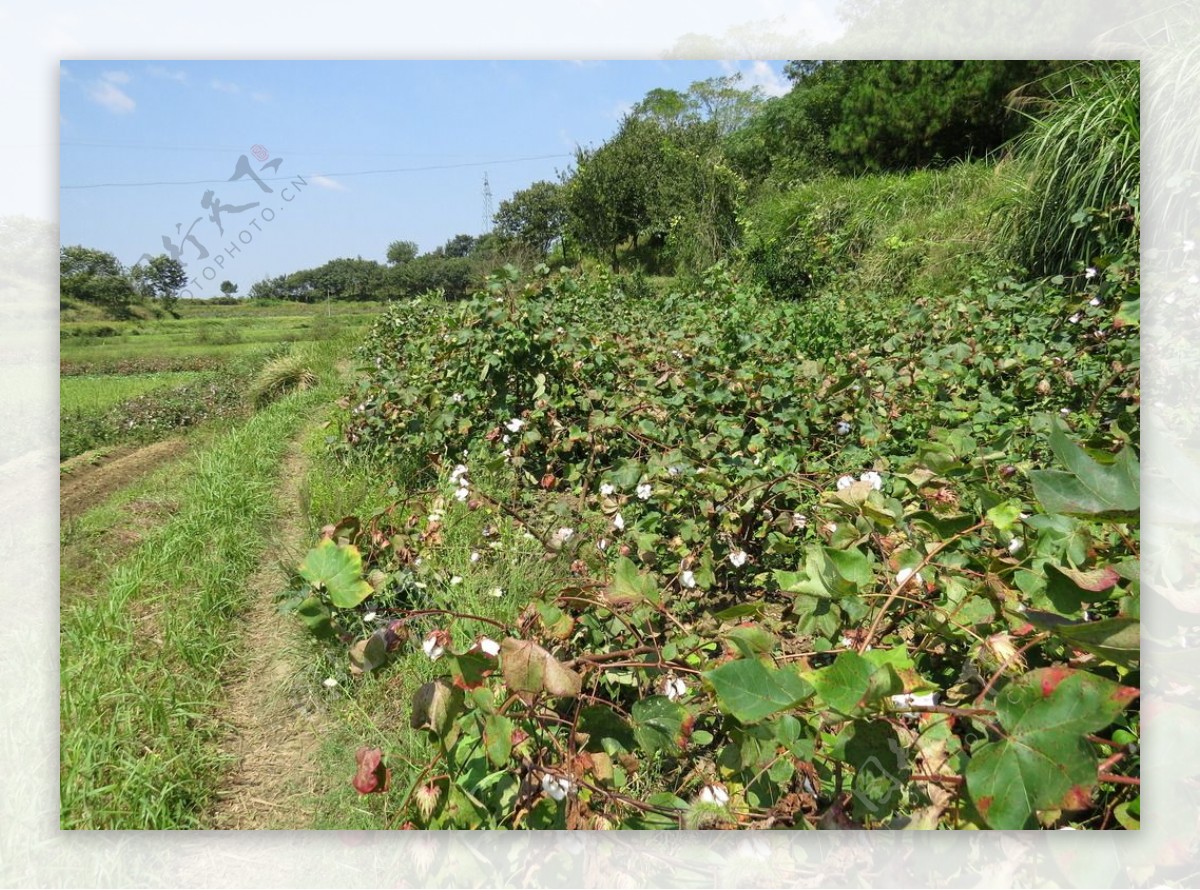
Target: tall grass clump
281,375
1080,193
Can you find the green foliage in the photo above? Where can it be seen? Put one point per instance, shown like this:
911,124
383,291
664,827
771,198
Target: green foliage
535,216
1077,202
400,252
161,278
1042,761
885,234
773,527
94,276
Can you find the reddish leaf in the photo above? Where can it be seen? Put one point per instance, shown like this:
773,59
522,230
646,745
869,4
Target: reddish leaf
373,777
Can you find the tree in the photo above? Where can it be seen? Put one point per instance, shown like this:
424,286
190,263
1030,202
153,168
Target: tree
400,252
94,276
160,278
535,216
458,246
228,288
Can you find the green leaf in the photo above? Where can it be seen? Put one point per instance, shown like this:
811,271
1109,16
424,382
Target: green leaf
629,586
1129,313
497,738
658,724
337,569
316,617
750,691
1088,487
527,667
1043,762
1118,640
1069,589
881,766
852,683
606,730
751,641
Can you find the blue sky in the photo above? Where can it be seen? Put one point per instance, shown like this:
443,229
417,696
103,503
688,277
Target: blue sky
186,124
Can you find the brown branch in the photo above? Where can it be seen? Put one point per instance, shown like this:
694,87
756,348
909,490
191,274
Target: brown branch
865,643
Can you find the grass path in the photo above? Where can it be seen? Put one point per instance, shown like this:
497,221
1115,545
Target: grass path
273,719
144,660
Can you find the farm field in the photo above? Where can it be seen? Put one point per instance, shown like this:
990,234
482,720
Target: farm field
811,501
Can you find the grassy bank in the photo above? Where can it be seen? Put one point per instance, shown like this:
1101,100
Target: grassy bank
141,659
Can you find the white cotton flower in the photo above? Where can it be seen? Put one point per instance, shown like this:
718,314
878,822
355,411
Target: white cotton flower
557,787
563,535
489,646
461,494
1015,544
714,794
1064,411
912,700
738,558
644,491
903,576
457,398
1094,301
673,471
688,579
606,489
475,556
1089,272
618,522
674,688
842,428
1074,319
874,478
514,425
504,440
831,527
456,580
329,682
497,592
602,545
844,482
458,473
370,616
433,646
799,521
435,516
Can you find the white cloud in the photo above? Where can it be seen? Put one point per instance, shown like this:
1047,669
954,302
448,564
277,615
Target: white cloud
621,109
117,76
759,74
225,86
260,97
326,183
109,95
167,74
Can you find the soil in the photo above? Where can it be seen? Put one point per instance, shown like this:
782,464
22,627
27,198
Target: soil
88,480
272,713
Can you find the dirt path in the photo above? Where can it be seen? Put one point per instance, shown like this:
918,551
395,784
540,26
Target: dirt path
84,485
273,718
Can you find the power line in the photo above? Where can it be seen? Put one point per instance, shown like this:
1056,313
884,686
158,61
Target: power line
101,185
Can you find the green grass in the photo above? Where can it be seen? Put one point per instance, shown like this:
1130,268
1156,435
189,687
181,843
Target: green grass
373,710
1083,156
141,659
892,234
98,393
196,341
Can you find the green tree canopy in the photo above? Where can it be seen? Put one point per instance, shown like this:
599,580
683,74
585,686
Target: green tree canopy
535,216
